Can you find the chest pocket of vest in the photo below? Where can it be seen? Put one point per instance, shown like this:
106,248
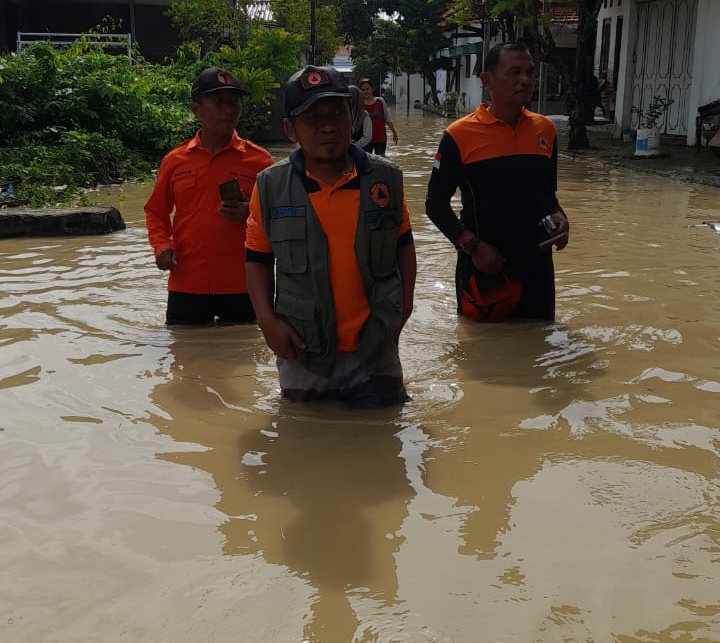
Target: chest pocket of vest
287,238
383,246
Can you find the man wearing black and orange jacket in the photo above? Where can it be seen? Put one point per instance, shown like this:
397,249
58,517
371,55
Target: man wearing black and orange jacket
504,160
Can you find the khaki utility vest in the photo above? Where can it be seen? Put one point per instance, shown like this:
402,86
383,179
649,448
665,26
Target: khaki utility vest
303,295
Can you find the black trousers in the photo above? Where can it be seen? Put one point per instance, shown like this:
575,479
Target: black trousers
188,308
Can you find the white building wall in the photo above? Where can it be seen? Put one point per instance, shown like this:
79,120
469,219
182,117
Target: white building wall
441,75
623,84
408,89
612,14
624,10
705,69
470,88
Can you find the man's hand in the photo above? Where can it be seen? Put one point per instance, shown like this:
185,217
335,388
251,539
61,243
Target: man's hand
563,228
487,258
281,337
235,210
166,259
395,137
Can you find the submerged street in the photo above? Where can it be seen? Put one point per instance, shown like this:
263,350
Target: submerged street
547,482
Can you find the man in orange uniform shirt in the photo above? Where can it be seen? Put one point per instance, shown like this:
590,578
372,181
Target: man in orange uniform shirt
202,245
330,254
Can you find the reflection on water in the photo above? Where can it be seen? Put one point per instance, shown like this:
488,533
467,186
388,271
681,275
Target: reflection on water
548,482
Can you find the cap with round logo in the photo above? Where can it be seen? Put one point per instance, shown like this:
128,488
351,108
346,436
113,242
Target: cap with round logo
310,84
214,79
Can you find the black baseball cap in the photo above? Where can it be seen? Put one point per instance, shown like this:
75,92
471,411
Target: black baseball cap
310,84
213,79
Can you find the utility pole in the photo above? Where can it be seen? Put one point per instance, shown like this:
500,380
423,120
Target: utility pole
311,57
541,80
132,20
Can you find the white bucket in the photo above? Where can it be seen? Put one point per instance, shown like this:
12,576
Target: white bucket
647,142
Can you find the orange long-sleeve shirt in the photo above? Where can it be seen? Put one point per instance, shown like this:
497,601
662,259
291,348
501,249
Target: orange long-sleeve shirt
210,250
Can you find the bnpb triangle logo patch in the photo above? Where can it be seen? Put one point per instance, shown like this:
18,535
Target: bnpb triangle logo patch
380,194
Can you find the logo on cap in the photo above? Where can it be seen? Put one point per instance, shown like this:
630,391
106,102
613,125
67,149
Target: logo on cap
224,77
314,79
380,195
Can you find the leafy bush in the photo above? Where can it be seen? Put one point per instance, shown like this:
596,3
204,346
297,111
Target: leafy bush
79,116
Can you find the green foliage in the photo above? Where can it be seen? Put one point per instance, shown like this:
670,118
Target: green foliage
419,20
209,24
647,119
379,55
78,116
273,49
356,18
294,16
47,91
261,66
74,160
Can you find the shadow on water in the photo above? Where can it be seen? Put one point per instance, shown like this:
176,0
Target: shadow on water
319,490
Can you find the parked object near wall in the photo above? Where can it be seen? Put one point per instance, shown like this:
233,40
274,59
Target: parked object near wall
707,126
714,143
647,141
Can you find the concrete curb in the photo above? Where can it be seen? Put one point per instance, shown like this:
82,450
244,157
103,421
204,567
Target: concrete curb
56,222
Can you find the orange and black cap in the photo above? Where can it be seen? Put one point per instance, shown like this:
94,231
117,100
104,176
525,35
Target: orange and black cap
310,84
214,79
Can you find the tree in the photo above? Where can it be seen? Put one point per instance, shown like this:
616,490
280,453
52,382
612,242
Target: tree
209,24
260,66
294,17
508,15
356,19
420,24
378,55
584,69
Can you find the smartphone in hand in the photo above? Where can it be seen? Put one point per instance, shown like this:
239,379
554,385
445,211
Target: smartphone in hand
231,191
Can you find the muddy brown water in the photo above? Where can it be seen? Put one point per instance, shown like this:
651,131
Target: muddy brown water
548,482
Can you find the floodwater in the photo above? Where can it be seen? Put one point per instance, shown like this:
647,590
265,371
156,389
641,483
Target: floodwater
548,482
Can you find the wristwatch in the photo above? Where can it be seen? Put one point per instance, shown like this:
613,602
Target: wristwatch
470,245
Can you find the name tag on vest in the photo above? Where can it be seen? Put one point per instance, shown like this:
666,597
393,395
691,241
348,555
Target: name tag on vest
287,211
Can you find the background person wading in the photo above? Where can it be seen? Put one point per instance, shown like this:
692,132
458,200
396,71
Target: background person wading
380,117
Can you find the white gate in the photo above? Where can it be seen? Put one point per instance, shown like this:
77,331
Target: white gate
663,59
